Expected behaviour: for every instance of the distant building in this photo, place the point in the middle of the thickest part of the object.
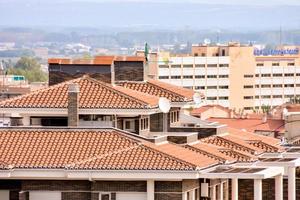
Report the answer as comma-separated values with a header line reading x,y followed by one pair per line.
x,y
13,85
104,68
235,76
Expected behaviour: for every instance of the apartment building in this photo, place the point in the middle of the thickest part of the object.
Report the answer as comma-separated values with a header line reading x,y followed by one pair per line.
x,y
241,77
86,139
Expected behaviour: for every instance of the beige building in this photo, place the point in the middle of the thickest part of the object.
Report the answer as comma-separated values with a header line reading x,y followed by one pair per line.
x,y
234,75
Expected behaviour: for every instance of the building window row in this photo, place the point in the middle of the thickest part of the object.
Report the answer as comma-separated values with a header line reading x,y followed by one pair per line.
x,y
276,85
216,98
191,65
278,75
274,64
192,77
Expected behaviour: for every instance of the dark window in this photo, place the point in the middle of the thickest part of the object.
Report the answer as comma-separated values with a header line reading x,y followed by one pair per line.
x,y
277,96
266,75
277,75
200,65
211,76
223,98
260,64
265,86
223,87
291,64
176,66
212,65
211,87
199,87
187,66
223,76
188,77
163,77
266,96
248,86
163,66
288,85
175,77
223,65
248,76
289,74
211,98
248,97
199,76
277,85
275,64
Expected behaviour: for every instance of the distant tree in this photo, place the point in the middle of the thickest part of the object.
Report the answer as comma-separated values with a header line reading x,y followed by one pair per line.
x,y
266,109
30,68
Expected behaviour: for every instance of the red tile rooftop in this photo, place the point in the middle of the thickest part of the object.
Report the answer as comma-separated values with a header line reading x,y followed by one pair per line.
x,y
252,125
93,94
98,60
160,89
82,149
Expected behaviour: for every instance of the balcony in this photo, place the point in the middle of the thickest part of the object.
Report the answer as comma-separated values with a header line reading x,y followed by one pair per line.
x,y
96,123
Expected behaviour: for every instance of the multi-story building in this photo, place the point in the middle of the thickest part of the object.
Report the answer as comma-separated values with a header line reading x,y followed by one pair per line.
x,y
104,68
234,75
120,142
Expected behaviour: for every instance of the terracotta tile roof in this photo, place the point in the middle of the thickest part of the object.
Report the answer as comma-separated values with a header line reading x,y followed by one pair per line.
x,y
160,89
98,60
94,94
81,149
245,144
196,158
202,109
252,125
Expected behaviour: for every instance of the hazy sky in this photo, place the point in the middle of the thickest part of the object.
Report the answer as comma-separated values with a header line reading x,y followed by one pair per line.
x,y
224,2
159,14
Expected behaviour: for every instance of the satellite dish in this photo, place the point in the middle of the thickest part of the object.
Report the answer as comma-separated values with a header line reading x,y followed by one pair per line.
x,y
197,98
207,41
164,104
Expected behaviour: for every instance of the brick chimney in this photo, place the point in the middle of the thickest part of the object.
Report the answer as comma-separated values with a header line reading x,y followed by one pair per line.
x,y
73,103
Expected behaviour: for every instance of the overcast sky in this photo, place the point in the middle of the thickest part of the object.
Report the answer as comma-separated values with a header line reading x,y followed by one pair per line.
x,y
201,14
226,2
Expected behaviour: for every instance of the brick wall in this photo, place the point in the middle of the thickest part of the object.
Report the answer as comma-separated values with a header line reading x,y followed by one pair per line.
x,y
119,186
168,190
53,185
75,196
73,103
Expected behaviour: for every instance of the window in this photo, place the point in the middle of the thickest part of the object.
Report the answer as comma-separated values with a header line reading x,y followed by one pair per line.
x,y
223,65
176,66
259,64
163,66
297,74
211,76
248,76
223,76
211,98
248,86
211,87
256,86
129,125
277,75
266,75
174,116
202,54
188,87
265,86
256,75
266,96
163,77
275,64
197,194
289,74
54,68
256,97
297,85
223,98
199,76
277,96
288,85
187,66
291,64
248,97
195,54
175,77
104,196
223,87
200,65
212,65
289,96
199,87
144,123
248,108
188,77
277,85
